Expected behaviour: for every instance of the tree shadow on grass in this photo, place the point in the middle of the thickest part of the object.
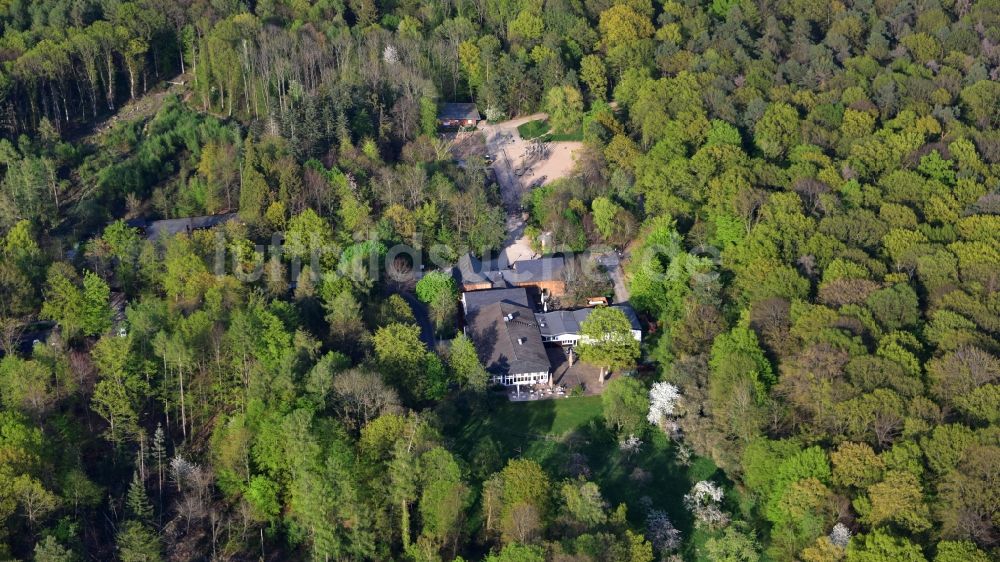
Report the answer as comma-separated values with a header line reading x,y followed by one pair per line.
x,y
591,450
650,479
515,426
652,473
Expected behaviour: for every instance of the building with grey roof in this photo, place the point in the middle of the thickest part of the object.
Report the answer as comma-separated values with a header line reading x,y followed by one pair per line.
x,y
503,328
170,227
540,270
545,274
473,275
563,326
473,300
458,115
510,336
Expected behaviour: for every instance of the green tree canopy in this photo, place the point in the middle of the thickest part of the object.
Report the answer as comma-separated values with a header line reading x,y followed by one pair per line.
x,y
625,403
606,339
436,285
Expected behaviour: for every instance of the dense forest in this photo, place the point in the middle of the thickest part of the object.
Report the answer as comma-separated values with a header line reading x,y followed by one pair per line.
x,y
807,193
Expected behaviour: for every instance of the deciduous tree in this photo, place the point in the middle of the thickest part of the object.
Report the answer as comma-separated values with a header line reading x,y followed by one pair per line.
x,y
606,340
625,405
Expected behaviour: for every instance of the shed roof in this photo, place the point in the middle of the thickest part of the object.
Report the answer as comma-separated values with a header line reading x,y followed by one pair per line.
x,y
547,268
470,271
187,224
475,300
458,111
561,322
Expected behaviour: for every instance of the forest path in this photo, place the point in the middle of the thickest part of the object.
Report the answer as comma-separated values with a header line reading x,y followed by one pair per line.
x,y
422,314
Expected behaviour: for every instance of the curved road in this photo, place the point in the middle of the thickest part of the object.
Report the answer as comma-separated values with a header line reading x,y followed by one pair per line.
x,y
423,317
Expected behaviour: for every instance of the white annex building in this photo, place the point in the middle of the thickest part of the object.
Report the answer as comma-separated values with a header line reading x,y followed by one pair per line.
x,y
563,326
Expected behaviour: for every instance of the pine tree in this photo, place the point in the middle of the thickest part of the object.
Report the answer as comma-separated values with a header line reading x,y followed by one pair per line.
x,y
49,550
159,453
140,456
253,190
137,502
138,543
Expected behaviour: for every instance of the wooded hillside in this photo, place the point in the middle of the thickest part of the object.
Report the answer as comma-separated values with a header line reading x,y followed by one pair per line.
x,y
806,194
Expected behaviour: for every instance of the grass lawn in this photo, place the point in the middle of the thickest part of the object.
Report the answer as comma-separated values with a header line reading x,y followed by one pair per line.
x,y
559,433
540,128
572,412
533,129
514,421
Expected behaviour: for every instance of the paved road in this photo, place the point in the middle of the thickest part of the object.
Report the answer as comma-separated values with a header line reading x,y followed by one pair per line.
x,y
612,263
516,246
621,287
423,317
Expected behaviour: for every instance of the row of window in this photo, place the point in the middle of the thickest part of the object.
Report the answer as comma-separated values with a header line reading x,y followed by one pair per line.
x,y
563,339
522,378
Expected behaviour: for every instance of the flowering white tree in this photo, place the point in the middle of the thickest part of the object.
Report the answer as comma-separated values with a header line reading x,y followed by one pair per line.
x,y
494,113
663,399
703,502
181,470
661,531
840,535
630,446
706,490
389,55
683,454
